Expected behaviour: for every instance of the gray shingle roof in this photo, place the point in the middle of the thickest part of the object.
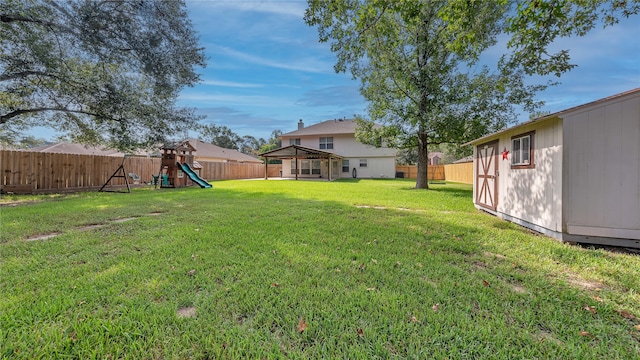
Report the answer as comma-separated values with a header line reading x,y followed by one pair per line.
x,y
329,127
204,150
79,149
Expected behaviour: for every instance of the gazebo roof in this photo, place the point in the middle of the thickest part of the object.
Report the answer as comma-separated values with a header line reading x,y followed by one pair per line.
x,y
300,152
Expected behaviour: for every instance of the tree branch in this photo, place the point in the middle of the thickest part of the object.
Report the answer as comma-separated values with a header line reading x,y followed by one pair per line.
x,y
7,18
7,77
5,118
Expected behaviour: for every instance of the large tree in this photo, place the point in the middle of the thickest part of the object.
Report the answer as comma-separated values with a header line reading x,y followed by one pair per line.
x,y
104,72
423,89
220,136
418,61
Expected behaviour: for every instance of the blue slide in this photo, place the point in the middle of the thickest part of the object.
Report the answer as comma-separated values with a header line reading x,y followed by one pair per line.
x,y
193,176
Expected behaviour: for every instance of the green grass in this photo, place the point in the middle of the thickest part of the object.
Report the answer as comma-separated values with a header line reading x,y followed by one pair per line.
x,y
374,268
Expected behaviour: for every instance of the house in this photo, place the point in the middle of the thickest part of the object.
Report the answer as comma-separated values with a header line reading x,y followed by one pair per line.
x,y
209,152
573,175
435,158
308,151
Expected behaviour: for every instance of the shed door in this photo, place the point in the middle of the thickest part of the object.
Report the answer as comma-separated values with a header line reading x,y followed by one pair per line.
x,y
487,175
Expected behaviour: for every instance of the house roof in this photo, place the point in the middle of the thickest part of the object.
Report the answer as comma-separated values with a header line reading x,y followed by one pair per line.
x,y
554,115
328,127
465,159
203,150
300,152
79,149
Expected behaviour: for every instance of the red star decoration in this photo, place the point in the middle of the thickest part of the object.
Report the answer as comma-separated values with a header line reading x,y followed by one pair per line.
x,y
505,154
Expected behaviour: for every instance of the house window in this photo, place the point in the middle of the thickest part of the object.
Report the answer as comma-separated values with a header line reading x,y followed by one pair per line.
x,y
315,167
345,166
295,141
305,166
293,167
326,143
522,151
363,163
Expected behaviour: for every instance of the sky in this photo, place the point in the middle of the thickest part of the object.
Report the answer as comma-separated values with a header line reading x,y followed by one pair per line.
x,y
266,68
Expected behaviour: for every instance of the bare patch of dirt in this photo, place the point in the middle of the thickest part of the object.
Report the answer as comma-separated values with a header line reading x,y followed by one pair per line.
x,y
43,236
546,336
519,289
18,203
480,265
187,312
497,256
577,281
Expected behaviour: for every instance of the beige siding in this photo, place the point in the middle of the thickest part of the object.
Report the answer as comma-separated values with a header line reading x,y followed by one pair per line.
x,y
602,173
380,161
533,195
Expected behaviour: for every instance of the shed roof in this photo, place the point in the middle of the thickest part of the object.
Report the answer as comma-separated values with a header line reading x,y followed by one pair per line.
x,y
554,115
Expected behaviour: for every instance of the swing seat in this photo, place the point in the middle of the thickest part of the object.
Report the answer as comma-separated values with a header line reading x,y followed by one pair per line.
x,y
165,180
135,178
155,180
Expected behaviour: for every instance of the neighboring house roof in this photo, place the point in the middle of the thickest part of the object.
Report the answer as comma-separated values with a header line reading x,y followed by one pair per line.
x,y
329,127
465,159
554,115
206,150
79,149
431,155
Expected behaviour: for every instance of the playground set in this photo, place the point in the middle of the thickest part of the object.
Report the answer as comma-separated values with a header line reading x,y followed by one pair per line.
x,y
178,160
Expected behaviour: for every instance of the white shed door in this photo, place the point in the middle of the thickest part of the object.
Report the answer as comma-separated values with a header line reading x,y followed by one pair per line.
x,y
486,175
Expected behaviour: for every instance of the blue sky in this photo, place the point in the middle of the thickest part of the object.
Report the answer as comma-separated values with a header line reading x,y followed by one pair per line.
x,y
266,68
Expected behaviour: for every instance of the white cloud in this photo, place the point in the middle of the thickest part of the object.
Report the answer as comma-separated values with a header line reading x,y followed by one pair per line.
x,y
307,64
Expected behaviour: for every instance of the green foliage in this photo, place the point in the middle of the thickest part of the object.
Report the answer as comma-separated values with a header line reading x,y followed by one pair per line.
x,y
24,142
417,64
104,72
220,136
374,268
250,145
273,143
534,25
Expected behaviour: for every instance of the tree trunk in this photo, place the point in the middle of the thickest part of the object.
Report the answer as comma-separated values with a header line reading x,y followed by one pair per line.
x,y
423,161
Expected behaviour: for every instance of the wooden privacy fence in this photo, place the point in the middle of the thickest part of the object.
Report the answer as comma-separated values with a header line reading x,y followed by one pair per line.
x,y
461,172
434,172
228,171
37,172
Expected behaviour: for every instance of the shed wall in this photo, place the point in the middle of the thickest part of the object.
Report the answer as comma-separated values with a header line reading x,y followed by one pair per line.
x,y
534,195
602,171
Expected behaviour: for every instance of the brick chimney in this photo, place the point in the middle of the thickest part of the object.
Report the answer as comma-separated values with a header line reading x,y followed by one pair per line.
x,y
300,125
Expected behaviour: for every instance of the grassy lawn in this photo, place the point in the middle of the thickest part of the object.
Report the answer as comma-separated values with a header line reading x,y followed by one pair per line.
x,y
284,269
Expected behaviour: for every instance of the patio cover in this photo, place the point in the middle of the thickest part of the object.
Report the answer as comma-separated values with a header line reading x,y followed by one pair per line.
x,y
297,152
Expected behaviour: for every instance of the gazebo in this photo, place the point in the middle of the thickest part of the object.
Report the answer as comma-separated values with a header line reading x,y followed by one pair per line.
x,y
297,152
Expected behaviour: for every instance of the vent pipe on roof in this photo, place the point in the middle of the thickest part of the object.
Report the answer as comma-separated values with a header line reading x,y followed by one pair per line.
x,y
300,125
